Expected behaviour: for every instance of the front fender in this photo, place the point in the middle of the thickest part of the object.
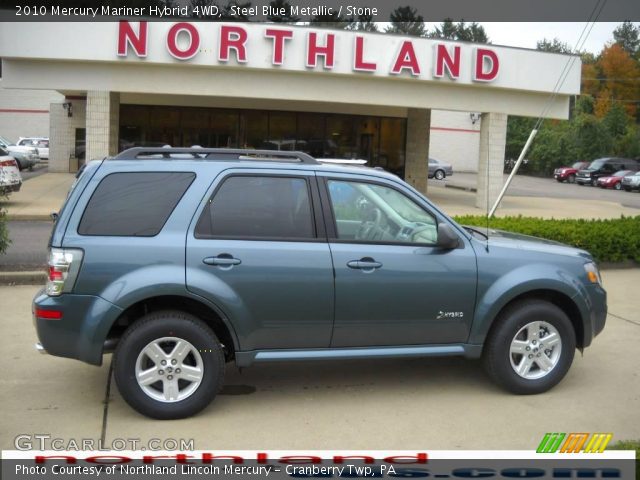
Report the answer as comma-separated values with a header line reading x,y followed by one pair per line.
x,y
503,289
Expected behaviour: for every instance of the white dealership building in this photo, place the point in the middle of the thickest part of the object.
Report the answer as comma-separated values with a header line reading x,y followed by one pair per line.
x,y
394,100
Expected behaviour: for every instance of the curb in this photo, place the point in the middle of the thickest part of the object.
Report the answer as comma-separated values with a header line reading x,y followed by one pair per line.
x,y
461,187
28,218
37,277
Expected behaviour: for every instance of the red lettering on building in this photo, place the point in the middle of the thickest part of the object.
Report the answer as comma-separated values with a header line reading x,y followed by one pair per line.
x,y
326,51
279,37
445,62
406,58
193,43
358,60
233,38
489,57
127,36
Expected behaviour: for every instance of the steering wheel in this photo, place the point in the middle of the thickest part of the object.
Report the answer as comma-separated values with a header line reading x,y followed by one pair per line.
x,y
430,237
369,227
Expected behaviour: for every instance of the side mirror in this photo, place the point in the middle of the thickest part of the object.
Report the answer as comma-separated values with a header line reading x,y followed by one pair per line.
x,y
447,238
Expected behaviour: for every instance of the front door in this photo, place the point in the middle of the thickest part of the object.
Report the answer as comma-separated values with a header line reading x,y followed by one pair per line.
x,y
393,285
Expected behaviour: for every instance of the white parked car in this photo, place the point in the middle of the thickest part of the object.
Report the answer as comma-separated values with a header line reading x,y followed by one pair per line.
x,y
25,155
40,143
10,179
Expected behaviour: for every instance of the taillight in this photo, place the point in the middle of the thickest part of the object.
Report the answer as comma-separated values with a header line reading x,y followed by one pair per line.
x,y
63,266
8,163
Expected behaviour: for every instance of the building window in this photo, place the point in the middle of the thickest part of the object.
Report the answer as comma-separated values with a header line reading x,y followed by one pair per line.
x,y
379,140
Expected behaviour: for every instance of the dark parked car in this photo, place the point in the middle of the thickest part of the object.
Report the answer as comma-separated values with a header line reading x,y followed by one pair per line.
x,y
604,167
438,169
568,174
183,264
615,180
631,182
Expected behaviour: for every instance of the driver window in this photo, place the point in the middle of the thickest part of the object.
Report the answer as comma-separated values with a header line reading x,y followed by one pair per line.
x,y
367,212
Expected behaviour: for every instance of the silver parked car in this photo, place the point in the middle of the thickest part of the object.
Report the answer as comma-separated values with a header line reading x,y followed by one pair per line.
x,y
26,156
439,169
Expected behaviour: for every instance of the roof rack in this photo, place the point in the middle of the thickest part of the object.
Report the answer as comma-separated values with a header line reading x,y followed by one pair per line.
x,y
214,153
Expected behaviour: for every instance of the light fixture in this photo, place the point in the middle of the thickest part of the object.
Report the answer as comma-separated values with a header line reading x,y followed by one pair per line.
x,y
69,108
474,117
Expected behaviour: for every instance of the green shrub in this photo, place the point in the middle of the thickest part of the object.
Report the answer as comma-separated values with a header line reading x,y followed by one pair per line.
x,y
4,233
615,240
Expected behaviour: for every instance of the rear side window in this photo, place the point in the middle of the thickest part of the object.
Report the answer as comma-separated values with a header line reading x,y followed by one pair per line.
x,y
256,207
133,204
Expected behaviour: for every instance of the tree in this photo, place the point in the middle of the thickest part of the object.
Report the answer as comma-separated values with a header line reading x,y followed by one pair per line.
x,y
473,32
554,46
627,36
518,131
287,17
584,104
616,120
621,74
447,30
364,24
405,20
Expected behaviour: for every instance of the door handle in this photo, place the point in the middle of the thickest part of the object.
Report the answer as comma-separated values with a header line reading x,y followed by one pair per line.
x,y
222,260
364,264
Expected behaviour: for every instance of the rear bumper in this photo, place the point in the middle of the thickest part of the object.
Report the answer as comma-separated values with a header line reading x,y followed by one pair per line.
x,y
15,187
81,332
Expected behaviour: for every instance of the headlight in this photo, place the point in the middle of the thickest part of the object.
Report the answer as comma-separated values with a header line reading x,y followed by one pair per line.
x,y
593,274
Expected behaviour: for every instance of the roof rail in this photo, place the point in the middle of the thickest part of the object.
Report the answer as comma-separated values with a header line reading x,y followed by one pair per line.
x,y
215,153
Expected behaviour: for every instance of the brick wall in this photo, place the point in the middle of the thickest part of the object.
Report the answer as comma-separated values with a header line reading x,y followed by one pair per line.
x,y
417,150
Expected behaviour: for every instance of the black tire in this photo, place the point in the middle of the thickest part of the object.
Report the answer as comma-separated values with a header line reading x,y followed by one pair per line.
x,y
618,186
580,184
439,175
20,167
594,182
157,325
496,353
572,178
626,189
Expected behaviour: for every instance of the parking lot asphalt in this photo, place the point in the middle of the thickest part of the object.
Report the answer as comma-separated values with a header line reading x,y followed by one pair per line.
x,y
529,186
386,404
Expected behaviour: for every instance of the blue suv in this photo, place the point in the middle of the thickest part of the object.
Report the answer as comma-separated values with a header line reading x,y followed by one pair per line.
x,y
180,260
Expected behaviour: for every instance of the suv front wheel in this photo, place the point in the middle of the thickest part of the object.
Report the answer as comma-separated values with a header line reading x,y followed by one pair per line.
x,y
530,348
169,365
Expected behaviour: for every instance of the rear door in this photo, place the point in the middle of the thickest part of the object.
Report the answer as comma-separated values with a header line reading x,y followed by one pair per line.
x,y
257,248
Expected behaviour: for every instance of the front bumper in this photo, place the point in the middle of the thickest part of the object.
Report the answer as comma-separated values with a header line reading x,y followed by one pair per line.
x,y
584,180
81,332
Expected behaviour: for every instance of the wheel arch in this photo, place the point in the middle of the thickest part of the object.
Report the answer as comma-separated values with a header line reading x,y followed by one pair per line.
x,y
555,297
212,316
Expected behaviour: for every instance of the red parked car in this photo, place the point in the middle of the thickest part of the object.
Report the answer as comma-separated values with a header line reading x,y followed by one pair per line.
x,y
568,174
615,180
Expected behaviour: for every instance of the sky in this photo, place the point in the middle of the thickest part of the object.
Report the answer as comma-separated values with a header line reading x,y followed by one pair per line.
x,y
526,34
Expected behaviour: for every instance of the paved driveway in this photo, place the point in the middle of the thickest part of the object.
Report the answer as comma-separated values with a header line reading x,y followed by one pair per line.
x,y
527,186
392,404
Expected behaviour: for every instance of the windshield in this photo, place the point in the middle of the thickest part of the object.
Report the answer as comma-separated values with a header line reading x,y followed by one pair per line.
x,y
596,164
577,165
621,173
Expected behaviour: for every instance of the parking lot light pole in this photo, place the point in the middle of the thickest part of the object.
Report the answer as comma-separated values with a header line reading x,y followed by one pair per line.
x,y
513,172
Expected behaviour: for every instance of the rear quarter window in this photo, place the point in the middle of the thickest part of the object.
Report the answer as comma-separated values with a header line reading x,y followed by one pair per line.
x,y
134,204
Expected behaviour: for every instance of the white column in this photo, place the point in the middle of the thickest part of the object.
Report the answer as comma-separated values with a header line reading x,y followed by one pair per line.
x,y
103,109
493,139
417,148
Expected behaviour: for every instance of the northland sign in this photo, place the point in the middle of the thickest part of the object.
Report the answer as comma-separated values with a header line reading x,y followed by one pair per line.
x,y
321,50
276,65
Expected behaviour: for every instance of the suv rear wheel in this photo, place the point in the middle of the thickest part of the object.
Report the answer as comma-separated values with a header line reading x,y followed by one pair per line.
x,y
530,348
169,365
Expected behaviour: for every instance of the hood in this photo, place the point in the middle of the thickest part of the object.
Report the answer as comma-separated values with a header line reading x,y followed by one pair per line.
x,y
526,242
